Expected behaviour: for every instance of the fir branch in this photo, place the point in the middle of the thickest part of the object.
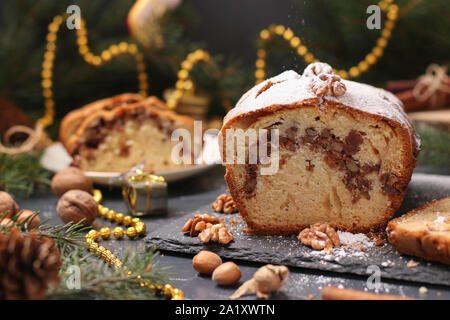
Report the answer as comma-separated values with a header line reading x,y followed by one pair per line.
x,y
67,237
99,281
22,175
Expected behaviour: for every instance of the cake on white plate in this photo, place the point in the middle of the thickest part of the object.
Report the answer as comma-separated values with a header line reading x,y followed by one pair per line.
x,y
119,138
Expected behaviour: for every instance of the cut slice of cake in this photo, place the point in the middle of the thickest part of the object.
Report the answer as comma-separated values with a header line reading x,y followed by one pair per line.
x,y
118,139
423,232
73,119
346,152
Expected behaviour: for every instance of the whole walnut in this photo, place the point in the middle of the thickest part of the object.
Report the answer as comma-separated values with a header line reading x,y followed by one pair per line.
x,y
69,179
76,205
8,207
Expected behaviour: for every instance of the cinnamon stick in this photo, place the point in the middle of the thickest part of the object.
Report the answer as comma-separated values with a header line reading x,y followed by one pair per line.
x,y
335,293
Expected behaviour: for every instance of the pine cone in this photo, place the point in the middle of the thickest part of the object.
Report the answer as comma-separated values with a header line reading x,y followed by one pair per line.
x,y
28,264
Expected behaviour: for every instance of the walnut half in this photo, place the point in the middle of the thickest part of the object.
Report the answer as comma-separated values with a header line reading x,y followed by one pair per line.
x,y
224,203
208,228
320,236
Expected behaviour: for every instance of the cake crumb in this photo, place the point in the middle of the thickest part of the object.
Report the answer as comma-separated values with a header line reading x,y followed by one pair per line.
x,y
311,296
423,290
412,264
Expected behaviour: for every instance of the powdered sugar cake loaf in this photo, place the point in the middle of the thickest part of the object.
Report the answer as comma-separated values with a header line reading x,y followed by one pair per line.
x,y
116,140
346,154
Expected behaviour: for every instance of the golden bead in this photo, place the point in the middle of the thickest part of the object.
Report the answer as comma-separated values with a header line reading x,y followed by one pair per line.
x,y
97,194
264,34
302,50
118,232
51,37
93,247
51,46
132,48
386,33
177,297
93,234
179,84
260,63
131,233
134,221
123,47
106,55
295,42
354,72
152,287
118,264
188,85
111,215
260,74
187,65
183,74
114,50
46,83
288,34
105,233
309,57
261,53
100,251
377,51
119,218
363,66
177,94
177,291
88,240
279,30
370,58
167,290
382,42
103,212
158,286
140,228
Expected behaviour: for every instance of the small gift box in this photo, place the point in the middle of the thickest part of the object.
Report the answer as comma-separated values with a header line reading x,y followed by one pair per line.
x,y
145,194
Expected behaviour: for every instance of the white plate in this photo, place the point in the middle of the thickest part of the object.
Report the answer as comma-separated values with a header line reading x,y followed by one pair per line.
x,y
56,158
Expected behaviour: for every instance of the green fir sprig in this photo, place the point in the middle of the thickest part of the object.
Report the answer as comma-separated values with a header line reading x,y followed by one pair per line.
x,y
22,175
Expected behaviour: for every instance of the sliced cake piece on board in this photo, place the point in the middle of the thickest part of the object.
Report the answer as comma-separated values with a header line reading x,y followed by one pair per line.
x,y
346,154
423,232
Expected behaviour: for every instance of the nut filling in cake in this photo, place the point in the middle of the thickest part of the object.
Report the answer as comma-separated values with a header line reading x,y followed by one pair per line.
x,y
346,154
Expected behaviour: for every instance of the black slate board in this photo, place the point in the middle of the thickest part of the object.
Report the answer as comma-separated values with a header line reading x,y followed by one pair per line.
x,y
288,250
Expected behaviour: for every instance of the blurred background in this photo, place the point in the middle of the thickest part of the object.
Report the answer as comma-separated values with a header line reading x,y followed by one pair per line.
x,y
166,31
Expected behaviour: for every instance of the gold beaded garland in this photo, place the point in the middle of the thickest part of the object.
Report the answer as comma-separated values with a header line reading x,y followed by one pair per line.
x,y
295,43
138,228
84,50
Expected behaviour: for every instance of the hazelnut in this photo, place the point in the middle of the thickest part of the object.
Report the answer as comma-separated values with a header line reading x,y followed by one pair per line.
x,y
206,262
226,274
29,218
69,179
8,207
76,205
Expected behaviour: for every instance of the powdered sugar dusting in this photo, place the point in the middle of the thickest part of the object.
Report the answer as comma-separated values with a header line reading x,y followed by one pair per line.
x,y
292,88
353,238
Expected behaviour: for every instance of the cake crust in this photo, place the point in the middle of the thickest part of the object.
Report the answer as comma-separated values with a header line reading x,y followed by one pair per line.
x,y
290,92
